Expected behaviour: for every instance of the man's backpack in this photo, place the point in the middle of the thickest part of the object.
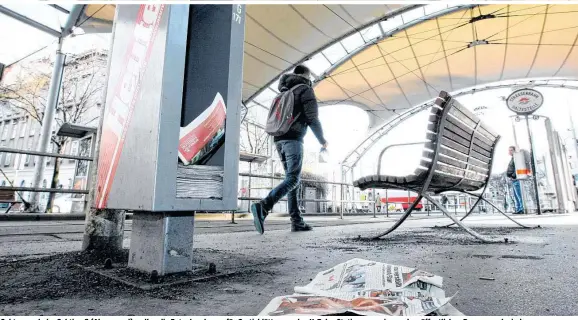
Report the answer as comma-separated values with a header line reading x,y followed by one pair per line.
x,y
280,117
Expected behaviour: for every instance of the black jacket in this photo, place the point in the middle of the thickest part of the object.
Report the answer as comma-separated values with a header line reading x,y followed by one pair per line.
x,y
511,172
306,105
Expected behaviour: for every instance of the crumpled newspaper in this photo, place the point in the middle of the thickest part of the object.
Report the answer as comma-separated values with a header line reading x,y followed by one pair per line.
x,y
369,288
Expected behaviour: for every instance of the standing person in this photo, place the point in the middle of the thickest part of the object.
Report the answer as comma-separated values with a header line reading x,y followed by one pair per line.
x,y
516,186
288,131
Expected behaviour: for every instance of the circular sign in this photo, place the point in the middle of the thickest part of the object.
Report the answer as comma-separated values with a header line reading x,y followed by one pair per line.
x,y
525,101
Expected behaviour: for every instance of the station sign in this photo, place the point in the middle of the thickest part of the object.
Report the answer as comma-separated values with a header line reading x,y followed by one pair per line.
x,y
525,101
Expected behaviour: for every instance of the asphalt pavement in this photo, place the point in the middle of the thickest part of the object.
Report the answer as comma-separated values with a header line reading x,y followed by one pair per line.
x,y
533,274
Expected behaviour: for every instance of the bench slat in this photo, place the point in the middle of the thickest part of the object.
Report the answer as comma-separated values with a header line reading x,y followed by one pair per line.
x,y
468,118
456,163
465,143
480,157
468,130
454,137
448,181
478,142
452,153
471,175
457,130
454,145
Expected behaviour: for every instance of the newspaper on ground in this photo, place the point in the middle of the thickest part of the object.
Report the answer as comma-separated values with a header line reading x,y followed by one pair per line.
x,y
367,288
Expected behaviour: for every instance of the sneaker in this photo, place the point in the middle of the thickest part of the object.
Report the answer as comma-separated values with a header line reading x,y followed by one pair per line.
x,y
301,227
258,217
519,212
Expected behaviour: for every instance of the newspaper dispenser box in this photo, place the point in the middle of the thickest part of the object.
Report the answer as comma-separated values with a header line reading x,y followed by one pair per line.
x,y
174,90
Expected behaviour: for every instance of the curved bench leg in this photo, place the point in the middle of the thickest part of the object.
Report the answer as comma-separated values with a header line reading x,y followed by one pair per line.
x,y
458,222
505,215
467,214
402,219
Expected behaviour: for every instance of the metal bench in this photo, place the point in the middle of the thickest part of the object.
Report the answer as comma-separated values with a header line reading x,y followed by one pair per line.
x,y
457,156
7,196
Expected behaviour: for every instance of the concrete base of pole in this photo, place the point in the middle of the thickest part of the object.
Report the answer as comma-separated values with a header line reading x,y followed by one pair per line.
x,y
161,242
104,232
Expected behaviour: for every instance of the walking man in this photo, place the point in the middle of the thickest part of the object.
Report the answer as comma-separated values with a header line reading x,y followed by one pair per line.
x,y
292,112
516,186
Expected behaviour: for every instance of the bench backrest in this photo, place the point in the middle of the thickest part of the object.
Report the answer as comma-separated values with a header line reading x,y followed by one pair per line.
x,y
460,149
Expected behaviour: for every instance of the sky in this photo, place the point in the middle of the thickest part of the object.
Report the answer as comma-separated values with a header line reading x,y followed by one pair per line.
x,y
22,40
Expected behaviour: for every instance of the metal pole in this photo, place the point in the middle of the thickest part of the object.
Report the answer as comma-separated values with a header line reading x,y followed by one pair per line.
x,y
344,192
514,132
374,202
408,201
386,204
553,144
574,138
533,162
47,120
249,187
566,172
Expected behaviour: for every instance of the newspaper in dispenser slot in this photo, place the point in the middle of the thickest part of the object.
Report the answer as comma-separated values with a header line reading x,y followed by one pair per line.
x,y
522,164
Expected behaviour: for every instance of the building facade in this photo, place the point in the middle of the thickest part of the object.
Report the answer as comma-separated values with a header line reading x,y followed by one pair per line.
x,y
80,102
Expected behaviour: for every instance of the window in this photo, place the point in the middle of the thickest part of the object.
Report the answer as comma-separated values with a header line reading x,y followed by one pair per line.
x,y
3,183
74,150
23,127
14,129
29,148
33,128
69,183
7,159
5,130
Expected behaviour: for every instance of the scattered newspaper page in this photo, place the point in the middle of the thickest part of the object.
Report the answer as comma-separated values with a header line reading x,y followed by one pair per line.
x,y
367,288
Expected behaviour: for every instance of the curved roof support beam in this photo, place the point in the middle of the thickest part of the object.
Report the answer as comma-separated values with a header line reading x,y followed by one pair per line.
x,y
391,33
336,40
357,153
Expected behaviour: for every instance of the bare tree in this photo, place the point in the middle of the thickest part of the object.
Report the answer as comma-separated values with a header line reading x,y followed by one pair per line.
x,y
81,90
254,139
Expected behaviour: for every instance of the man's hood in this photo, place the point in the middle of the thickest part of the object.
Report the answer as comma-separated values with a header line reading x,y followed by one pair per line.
x,y
290,80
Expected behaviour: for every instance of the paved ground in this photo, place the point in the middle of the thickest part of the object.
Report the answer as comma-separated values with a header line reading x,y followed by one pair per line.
x,y
534,274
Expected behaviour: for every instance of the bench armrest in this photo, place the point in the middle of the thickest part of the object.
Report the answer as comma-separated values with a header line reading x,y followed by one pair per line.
x,y
391,146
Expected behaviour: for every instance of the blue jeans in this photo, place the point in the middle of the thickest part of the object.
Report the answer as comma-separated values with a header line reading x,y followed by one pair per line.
x,y
291,154
517,195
